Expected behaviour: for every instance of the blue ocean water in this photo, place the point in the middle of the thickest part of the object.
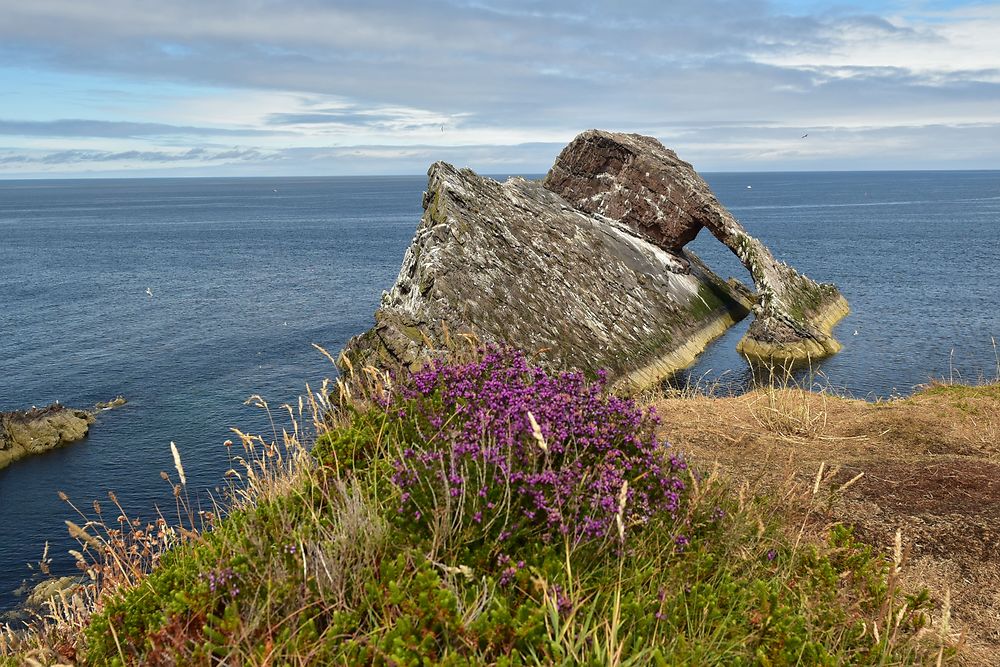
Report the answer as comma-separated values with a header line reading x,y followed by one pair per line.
x,y
246,273
915,254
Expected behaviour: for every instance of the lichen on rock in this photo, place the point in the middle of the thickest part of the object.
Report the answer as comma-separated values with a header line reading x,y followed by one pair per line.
x,y
640,183
515,263
589,269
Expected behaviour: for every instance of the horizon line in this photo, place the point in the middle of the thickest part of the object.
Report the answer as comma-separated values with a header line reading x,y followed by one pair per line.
x,y
6,179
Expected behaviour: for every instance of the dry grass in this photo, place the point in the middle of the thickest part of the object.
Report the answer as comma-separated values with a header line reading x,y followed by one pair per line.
x,y
776,438
929,467
117,552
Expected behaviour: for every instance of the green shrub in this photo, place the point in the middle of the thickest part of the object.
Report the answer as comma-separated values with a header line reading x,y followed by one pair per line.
x,y
336,568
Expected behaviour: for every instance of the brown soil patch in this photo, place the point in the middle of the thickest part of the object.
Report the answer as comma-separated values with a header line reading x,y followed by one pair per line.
x,y
966,487
931,467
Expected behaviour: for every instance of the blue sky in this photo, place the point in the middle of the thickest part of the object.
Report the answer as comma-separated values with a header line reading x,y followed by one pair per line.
x,y
315,87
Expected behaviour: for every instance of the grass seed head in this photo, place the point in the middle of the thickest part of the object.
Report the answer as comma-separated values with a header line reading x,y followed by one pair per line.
x,y
536,432
177,463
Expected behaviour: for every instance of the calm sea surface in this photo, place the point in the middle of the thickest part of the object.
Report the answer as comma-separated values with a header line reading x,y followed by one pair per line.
x,y
246,273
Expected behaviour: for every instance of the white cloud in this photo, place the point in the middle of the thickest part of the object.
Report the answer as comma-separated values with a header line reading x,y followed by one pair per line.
x,y
312,76
962,41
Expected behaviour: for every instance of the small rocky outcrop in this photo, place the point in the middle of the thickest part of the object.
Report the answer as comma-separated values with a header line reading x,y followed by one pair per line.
x,y
36,594
115,402
515,263
637,182
52,587
34,431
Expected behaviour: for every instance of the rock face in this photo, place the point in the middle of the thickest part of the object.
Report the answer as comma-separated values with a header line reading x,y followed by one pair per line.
x,y
39,430
514,262
589,269
638,182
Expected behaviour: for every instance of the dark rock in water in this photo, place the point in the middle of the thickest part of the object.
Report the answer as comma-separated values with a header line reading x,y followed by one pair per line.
x,y
52,587
515,263
638,182
115,402
38,430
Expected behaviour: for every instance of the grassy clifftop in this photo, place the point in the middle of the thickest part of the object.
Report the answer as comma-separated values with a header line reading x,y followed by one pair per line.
x,y
486,512
929,467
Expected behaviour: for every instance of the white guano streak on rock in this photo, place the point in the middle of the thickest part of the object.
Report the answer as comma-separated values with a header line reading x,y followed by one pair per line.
x,y
670,263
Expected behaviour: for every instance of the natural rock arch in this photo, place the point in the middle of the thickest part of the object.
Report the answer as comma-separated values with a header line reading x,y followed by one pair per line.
x,y
636,181
588,270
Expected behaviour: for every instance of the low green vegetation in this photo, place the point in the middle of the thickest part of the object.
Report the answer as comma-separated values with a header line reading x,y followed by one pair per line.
x,y
963,391
484,512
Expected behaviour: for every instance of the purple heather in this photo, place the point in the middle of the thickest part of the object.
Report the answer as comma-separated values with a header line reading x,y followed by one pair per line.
x,y
471,449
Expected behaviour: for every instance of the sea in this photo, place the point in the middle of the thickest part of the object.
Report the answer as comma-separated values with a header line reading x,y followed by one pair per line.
x,y
189,296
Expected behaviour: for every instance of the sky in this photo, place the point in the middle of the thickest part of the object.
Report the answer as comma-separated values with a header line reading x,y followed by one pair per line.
x,y
317,87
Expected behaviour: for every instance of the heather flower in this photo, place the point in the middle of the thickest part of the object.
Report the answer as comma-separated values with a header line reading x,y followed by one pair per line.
x,y
508,570
563,604
222,581
498,448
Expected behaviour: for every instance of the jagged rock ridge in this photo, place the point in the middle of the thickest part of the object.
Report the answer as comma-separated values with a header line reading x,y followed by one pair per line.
x,y
638,182
513,262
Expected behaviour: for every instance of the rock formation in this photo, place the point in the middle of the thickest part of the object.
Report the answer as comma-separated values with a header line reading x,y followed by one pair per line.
x,y
37,592
38,430
589,269
638,182
115,402
514,263
49,588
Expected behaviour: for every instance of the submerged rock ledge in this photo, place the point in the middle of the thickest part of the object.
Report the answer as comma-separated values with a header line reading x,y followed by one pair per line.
x,y
588,269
